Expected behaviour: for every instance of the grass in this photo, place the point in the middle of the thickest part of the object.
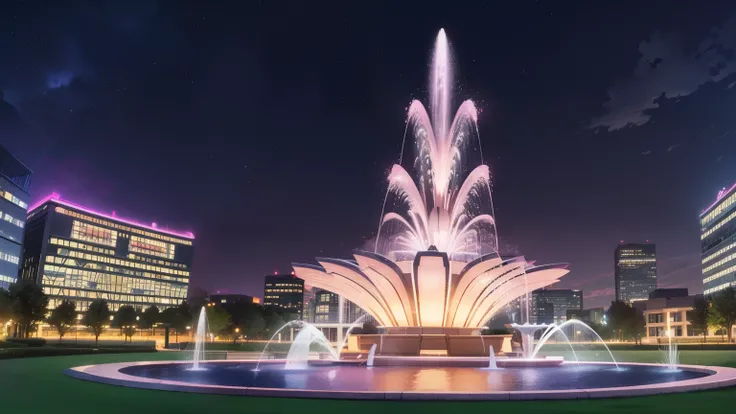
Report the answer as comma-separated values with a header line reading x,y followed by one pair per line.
x,y
38,385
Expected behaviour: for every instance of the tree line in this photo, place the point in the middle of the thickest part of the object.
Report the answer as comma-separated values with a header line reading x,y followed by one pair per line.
x,y
26,305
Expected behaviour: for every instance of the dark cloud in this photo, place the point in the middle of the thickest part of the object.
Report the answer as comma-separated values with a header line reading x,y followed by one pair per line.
x,y
667,69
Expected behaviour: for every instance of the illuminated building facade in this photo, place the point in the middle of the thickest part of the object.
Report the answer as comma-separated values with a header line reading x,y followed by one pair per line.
x,y
231,299
635,271
15,179
285,292
552,305
80,254
718,242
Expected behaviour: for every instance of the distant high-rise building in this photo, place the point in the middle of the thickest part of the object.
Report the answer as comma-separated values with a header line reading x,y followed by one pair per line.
x,y
552,305
635,271
718,242
227,300
80,254
285,292
15,179
326,307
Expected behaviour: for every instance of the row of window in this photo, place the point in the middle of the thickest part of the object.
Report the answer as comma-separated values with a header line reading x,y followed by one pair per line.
x,y
660,318
283,290
9,257
156,261
151,247
718,210
13,199
114,225
7,279
61,276
78,263
94,234
78,245
718,226
722,273
115,300
719,287
719,252
630,262
122,262
322,309
7,217
279,284
720,262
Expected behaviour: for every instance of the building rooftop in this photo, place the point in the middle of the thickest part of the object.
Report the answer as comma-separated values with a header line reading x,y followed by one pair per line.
x,y
56,198
721,195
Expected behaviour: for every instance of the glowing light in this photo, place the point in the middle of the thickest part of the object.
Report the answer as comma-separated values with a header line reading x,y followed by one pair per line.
x,y
56,198
721,193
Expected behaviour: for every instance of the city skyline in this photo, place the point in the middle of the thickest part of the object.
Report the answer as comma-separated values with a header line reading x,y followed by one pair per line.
x,y
179,125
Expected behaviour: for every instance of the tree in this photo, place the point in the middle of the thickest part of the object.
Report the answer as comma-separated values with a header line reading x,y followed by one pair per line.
x,y
724,308
150,317
62,317
273,321
218,319
6,307
369,329
700,315
177,318
625,321
97,317
125,319
29,305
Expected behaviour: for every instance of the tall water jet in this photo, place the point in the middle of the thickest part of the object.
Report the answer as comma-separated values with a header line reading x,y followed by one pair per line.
x,y
200,337
298,356
491,358
371,355
672,355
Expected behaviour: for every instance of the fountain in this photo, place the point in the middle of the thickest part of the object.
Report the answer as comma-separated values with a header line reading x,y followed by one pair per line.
x,y
298,357
672,355
492,358
347,334
432,280
298,353
200,337
371,355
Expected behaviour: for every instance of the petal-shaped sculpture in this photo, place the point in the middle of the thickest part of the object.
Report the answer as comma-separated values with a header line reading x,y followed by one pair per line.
x,y
430,292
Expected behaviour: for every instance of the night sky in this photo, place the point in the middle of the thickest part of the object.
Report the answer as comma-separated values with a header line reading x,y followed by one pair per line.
x,y
268,128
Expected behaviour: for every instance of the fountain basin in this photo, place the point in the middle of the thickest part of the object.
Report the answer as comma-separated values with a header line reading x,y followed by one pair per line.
x,y
566,381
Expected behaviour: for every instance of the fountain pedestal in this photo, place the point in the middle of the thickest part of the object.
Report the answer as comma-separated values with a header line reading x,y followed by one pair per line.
x,y
527,332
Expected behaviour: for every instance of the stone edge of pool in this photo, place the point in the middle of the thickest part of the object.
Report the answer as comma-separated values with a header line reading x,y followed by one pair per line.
x,y
719,377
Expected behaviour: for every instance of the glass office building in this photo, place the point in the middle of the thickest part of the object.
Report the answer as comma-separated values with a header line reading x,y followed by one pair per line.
x,y
552,305
284,292
635,271
80,254
15,179
718,242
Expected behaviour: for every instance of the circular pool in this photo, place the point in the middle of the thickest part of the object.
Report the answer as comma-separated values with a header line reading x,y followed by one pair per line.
x,y
569,380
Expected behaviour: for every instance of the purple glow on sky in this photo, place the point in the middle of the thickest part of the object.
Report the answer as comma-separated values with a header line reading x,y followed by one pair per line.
x,y
57,199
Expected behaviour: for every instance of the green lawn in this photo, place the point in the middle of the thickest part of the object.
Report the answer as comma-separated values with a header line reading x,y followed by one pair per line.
x,y
37,385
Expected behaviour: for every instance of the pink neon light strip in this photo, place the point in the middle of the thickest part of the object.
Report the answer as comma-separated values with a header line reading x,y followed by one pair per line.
x,y
718,199
56,198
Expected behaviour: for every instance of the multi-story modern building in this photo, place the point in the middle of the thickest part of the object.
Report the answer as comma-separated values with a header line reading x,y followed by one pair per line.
x,y
80,254
231,299
285,292
718,242
15,179
667,311
551,305
635,271
326,307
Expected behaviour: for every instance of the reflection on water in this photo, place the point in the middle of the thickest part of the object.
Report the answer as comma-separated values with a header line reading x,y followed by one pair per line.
x,y
357,378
